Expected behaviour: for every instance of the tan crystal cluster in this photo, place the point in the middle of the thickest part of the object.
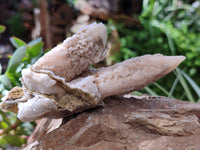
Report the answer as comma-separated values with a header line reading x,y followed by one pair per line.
x,y
60,83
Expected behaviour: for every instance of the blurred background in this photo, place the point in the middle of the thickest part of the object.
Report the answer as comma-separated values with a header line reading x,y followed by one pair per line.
x,y
29,28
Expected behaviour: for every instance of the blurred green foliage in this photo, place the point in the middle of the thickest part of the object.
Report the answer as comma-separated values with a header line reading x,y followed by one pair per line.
x,y
170,28
2,29
24,55
13,132
15,25
71,2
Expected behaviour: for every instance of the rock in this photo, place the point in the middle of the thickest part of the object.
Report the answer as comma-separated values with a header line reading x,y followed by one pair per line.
x,y
134,123
45,126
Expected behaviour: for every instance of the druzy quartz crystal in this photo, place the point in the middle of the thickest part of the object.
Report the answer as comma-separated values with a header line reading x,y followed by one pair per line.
x,y
60,83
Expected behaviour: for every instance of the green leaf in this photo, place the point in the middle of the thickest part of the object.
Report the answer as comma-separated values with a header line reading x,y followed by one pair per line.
x,y
3,142
34,42
137,93
6,81
5,117
170,42
2,29
3,125
17,42
185,86
192,83
150,91
25,129
14,80
163,90
13,140
35,49
16,59
0,68
174,86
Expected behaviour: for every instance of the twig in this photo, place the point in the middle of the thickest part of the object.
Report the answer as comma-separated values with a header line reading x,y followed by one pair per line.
x,y
12,127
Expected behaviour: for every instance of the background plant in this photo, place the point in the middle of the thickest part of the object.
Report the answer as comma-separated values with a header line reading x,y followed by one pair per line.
x,y
170,28
12,131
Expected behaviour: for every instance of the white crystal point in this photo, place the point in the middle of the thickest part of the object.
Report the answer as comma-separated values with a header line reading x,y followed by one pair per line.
x,y
76,53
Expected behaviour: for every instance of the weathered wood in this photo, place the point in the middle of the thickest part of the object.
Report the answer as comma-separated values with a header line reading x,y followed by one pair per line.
x,y
45,24
119,10
133,123
55,20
